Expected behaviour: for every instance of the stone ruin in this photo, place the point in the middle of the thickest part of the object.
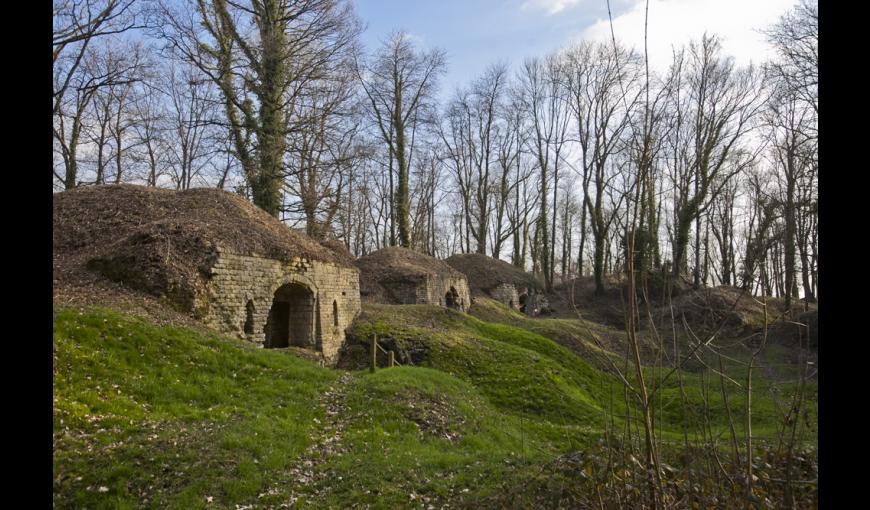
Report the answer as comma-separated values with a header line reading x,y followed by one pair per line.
x,y
397,275
214,255
533,303
235,268
504,282
302,302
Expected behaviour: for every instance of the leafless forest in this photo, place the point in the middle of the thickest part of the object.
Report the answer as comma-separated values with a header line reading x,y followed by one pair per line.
x,y
582,165
552,163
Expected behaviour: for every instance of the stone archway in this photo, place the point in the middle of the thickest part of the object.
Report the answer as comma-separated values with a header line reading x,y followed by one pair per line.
x,y
291,319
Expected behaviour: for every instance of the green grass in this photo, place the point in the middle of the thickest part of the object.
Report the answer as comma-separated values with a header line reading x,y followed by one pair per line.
x,y
170,416
420,432
518,371
159,417
582,336
524,373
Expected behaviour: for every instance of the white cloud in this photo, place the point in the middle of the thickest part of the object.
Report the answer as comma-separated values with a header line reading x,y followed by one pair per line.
x,y
673,23
419,39
551,6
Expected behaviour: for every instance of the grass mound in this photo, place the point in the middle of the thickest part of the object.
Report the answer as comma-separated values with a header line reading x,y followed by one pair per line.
x,y
517,370
519,366
587,339
163,417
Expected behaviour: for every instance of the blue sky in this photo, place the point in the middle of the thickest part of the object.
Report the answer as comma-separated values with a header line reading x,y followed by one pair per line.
x,y
477,33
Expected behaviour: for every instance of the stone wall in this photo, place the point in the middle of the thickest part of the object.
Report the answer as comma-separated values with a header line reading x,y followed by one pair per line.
x,y
431,291
507,294
534,302
436,288
237,280
404,293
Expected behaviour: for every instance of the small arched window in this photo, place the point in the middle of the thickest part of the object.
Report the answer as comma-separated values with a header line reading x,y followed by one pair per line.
x,y
249,318
335,313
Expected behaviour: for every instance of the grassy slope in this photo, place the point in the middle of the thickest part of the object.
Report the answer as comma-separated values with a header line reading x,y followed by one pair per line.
x,y
587,338
169,417
165,417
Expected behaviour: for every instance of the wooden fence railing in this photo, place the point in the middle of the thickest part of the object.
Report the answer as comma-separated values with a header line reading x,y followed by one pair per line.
x,y
390,355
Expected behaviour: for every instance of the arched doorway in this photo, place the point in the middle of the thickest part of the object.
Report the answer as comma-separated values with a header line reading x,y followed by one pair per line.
x,y
248,327
451,299
291,318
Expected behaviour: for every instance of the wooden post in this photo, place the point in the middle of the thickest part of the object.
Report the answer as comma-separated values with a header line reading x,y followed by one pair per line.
x,y
392,359
523,438
374,353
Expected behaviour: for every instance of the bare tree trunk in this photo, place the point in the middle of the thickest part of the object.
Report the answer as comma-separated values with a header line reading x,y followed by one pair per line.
x,y
555,214
706,251
582,238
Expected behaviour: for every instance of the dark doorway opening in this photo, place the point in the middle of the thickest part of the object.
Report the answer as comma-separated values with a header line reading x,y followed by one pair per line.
x,y
451,299
291,318
249,318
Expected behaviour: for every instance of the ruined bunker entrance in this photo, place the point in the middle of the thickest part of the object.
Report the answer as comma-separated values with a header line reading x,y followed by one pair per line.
x,y
291,318
451,299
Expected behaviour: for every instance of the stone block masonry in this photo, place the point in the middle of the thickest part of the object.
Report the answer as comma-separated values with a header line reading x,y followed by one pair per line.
x,y
507,294
435,290
432,290
242,289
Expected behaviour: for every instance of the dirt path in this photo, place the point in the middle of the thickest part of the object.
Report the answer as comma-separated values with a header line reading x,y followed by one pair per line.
x,y
327,443
305,478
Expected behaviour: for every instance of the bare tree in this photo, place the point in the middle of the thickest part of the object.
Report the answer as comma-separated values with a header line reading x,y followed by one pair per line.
x,y
542,101
712,119
121,96
149,130
796,39
455,131
322,156
400,82
429,181
509,156
792,151
99,68
479,133
791,119
262,56
192,115
602,92
75,24
102,105
722,224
